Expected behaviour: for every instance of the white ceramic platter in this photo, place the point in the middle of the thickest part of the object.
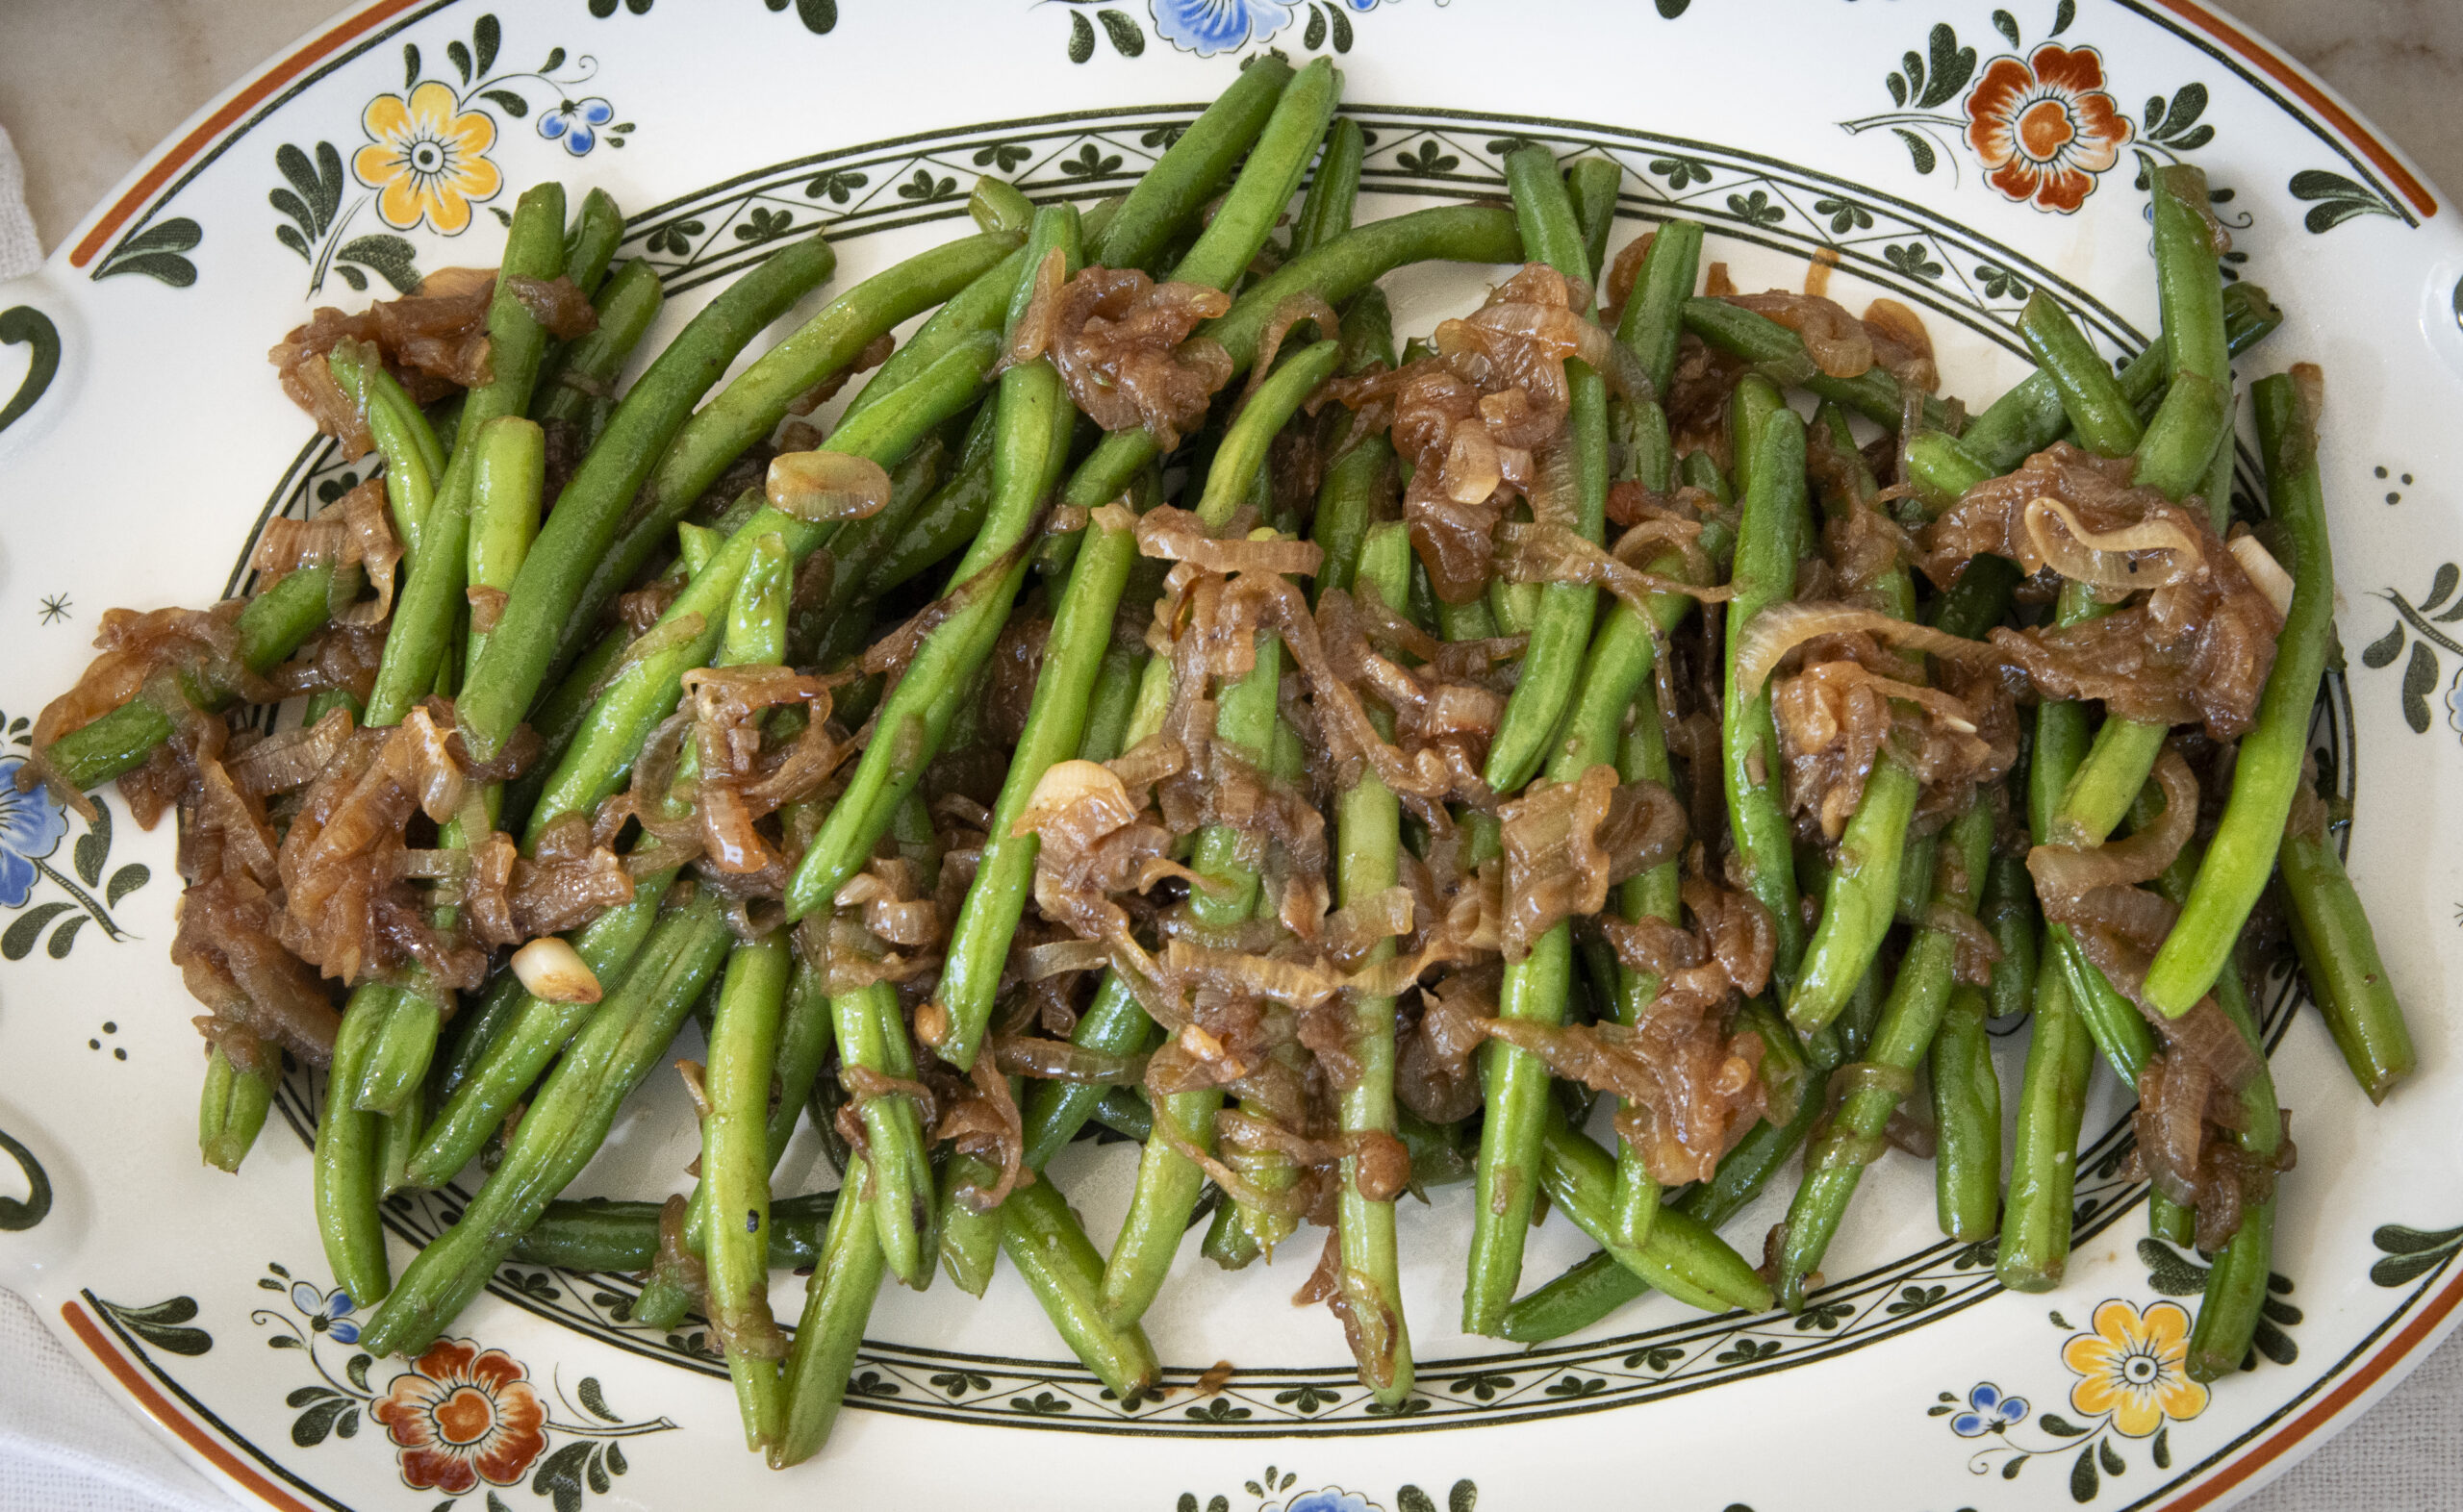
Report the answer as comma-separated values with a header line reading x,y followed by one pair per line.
x,y
146,440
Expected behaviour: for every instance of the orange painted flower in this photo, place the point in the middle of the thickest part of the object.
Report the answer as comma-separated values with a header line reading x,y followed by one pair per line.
x,y
427,158
2045,128
2135,1367
461,1415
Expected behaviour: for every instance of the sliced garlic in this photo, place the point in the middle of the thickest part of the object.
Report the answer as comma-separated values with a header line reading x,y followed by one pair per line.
x,y
2264,570
555,971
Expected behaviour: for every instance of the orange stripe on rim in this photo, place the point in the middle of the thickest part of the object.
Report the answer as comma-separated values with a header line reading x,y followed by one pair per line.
x,y
2276,1445
150,1397
221,120
2309,94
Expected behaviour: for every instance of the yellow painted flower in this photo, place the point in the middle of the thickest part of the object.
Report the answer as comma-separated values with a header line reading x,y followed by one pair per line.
x,y
2135,1367
427,158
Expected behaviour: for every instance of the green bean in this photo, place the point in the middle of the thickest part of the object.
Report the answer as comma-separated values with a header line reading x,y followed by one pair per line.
x,y
431,602
804,1038
1883,1078
871,1035
413,461
1552,662
568,1119
504,506
1082,631
2339,957
2100,411
1652,321
558,718
838,1299
981,309
645,689
1334,189
735,1172
346,1178
2188,282
2043,1170
1861,898
1032,445
592,239
1368,836
969,1240
861,545
1683,1256
2267,771
1239,462
1967,1120
2029,416
1516,1085
998,205
1263,193
2009,910
578,547
1591,184
603,1235
1171,193
1778,354
945,521
578,387
396,1137
398,1059
1764,574
232,1112
1051,1251
1358,482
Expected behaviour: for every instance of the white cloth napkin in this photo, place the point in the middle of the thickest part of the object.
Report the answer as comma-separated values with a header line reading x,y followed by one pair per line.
x,y
20,253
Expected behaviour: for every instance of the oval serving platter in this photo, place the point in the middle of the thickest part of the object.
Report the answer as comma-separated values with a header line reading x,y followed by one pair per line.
x,y
144,443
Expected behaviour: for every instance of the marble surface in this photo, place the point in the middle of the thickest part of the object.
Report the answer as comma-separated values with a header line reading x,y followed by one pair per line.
x,y
88,86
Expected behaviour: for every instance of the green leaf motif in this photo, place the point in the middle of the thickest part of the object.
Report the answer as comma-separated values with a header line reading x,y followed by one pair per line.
x,y
1745,1351
1920,152
2007,25
389,257
1671,9
2062,15
159,1325
411,60
65,936
593,1401
559,1479
1483,1384
1658,1357
841,184
1950,65
487,35
1043,1404
459,56
2110,1457
1004,156
820,17
766,225
2335,199
1756,209
19,1214
1846,214
1411,1499
1307,1399
2168,1273
2083,1478
505,100
94,847
126,880
872,1383
924,187
18,943
1914,1300
1315,36
1082,38
1342,29
1911,260
1089,164
338,1415
2420,680
1680,172
1464,1498
1429,162
2163,1450
1219,1409
2175,124
155,252
2055,1423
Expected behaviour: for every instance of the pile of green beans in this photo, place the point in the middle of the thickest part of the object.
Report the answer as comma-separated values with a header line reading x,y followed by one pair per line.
x,y
1900,947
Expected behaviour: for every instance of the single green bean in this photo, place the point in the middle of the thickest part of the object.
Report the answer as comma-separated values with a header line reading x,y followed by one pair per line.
x,y
1053,1255
1779,354
592,239
431,604
969,1240
1334,189
599,1234
1768,534
998,205
1967,1120
735,1169
1861,898
2009,910
837,1301
1552,662
806,1034
1170,194
578,388
950,516
2339,958
2267,772
413,461
1591,184
346,1178
871,1035
232,1112
398,1059
1683,1256
2043,1170
2100,411
504,507
1359,484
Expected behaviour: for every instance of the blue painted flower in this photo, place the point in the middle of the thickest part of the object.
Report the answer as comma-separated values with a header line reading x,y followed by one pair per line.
x,y
328,1312
30,825
1207,27
576,124
1333,1499
1992,1412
